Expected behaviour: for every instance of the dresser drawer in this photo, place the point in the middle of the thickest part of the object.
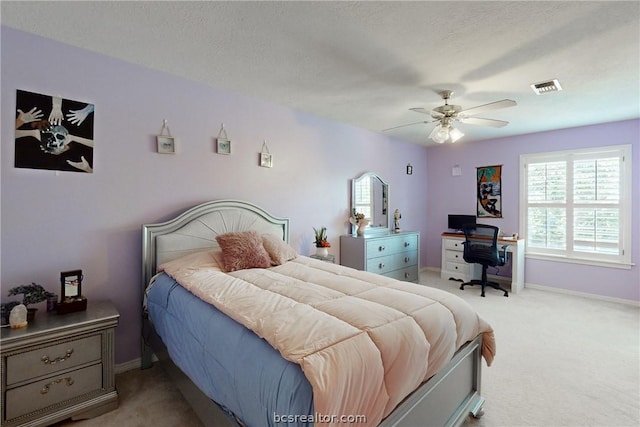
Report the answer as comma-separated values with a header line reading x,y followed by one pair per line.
x,y
456,245
41,394
408,274
392,245
54,358
383,264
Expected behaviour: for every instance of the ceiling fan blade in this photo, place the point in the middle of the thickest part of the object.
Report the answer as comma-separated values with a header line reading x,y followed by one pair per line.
x,y
505,103
483,122
421,110
410,124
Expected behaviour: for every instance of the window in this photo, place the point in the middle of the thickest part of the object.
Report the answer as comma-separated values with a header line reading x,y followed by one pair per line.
x,y
363,202
576,205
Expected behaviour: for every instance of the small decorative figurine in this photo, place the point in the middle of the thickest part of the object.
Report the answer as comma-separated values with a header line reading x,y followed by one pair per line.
x,y
396,220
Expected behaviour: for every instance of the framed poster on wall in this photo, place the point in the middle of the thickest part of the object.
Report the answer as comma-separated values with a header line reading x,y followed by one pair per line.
x,y
489,191
53,133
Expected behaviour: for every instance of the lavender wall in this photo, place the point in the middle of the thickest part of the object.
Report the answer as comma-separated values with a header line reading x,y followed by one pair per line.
x,y
53,222
456,194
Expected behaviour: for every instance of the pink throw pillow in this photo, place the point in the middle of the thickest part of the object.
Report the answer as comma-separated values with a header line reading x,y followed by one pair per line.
x,y
279,251
241,250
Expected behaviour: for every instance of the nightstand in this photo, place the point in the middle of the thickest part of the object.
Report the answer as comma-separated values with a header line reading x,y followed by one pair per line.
x,y
59,366
328,258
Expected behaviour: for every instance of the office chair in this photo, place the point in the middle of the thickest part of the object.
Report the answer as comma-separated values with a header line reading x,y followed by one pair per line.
x,y
481,247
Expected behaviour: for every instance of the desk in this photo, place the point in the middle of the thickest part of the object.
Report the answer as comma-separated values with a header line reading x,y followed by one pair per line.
x,y
453,265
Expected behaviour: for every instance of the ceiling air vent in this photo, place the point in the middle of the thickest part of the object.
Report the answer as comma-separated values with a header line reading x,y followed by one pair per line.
x,y
546,87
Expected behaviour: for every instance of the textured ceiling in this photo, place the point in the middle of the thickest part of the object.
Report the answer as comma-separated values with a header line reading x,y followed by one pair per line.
x,y
367,63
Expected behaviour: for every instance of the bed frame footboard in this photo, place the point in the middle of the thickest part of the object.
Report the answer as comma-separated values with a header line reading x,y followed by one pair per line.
x,y
448,397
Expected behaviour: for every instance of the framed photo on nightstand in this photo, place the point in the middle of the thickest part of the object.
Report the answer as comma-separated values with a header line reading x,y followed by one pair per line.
x,y
70,284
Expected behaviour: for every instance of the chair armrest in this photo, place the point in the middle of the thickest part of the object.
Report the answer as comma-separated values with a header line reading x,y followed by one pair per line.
x,y
503,253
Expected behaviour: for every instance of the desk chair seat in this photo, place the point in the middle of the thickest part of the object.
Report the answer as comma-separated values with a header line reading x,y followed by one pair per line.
x,y
481,247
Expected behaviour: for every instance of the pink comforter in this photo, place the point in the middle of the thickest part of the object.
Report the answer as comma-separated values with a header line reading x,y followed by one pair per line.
x,y
364,341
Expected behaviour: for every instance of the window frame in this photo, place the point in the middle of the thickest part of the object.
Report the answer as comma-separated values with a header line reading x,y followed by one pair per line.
x,y
363,186
622,260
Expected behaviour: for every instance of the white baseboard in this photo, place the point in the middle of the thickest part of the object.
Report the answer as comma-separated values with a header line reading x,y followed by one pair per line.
x,y
127,366
131,365
556,290
582,294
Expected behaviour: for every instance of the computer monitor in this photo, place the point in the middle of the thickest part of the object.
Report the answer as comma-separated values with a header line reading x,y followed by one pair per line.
x,y
456,221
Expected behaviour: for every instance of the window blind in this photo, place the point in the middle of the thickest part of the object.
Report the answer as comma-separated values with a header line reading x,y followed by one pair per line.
x,y
576,205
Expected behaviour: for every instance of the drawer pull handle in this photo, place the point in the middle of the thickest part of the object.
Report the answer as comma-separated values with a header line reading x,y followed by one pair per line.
x,y
47,361
407,244
381,265
46,387
406,259
381,248
407,275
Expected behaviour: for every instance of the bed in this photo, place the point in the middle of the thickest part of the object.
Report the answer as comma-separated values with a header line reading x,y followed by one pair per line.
x,y
227,366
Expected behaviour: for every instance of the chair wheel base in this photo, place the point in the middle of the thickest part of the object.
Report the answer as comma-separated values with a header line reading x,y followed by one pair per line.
x,y
493,285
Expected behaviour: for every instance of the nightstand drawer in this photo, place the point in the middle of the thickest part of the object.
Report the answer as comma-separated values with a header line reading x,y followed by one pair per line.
x,y
32,397
51,359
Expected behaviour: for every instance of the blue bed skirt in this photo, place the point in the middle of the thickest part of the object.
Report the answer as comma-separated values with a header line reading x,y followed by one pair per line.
x,y
226,361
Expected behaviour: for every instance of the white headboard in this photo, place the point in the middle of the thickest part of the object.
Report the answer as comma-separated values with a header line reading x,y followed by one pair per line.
x,y
196,229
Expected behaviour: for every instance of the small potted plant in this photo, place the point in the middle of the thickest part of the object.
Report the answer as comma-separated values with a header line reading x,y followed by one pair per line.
x,y
31,294
322,244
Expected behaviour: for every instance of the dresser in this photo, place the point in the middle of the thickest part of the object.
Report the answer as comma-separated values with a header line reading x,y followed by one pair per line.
x,y
59,366
395,255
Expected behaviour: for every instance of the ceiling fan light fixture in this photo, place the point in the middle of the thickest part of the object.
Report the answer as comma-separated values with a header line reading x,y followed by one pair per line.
x,y
439,134
455,134
546,87
434,132
445,132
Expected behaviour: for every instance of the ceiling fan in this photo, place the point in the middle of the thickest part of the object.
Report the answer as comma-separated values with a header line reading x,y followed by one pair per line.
x,y
446,114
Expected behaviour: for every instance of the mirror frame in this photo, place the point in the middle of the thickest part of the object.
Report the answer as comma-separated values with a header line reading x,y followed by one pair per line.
x,y
369,229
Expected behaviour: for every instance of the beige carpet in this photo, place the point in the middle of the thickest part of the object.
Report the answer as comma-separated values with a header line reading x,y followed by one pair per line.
x,y
562,361
147,398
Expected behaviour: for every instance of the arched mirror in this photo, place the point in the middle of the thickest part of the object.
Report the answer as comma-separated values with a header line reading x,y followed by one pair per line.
x,y
370,196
